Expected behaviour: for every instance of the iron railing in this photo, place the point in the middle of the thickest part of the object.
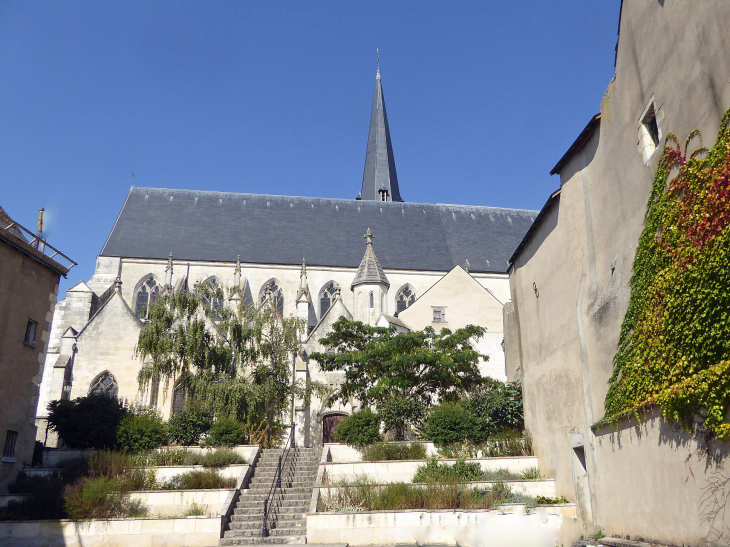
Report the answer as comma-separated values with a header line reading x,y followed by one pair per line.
x,y
40,244
271,501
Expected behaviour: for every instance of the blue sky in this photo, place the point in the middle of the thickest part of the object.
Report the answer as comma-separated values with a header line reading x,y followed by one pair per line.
x,y
483,98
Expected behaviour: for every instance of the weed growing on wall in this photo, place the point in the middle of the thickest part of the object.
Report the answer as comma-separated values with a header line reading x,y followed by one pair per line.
x,y
674,346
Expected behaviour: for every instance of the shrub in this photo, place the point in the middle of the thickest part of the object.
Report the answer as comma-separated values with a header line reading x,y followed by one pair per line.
x,y
99,498
501,474
200,480
226,432
398,415
459,471
532,474
44,501
544,500
496,406
109,464
508,442
186,427
219,458
448,423
359,429
364,494
141,432
393,451
194,510
87,422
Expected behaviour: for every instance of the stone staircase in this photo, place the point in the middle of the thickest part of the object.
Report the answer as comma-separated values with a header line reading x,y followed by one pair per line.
x,y
286,509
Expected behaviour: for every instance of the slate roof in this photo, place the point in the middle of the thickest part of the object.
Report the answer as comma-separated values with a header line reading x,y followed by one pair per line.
x,y
370,270
265,229
379,160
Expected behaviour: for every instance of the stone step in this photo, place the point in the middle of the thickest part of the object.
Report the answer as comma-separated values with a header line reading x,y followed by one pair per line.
x,y
286,496
273,532
285,485
258,505
286,489
271,540
274,466
259,522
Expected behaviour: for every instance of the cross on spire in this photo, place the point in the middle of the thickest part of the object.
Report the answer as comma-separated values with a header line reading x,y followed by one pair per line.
x,y
369,237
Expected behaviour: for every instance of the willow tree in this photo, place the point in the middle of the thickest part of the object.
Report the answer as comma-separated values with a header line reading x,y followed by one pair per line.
x,y
233,360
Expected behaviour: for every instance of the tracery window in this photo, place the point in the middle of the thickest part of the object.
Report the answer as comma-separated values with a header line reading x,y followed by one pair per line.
x,y
405,297
104,384
276,294
145,297
327,297
212,296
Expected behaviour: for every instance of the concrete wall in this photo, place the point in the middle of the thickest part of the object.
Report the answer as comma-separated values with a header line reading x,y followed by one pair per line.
x,y
28,290
510,526
569,284
172,532
404,470
174,503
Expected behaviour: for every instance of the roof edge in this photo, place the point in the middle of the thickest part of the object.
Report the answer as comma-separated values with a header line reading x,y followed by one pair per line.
x,y
535,225
579,143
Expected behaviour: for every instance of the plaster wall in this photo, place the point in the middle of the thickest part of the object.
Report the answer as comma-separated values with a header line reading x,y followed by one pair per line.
x,y
569,284
511,526
28,290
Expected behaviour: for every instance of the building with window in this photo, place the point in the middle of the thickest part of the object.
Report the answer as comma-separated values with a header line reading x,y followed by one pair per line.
x,y
29,273
257,244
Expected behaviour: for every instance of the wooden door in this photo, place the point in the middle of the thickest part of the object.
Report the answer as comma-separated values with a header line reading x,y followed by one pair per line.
x,y
329,423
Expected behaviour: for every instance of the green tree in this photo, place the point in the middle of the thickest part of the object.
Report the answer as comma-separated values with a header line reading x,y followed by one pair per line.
x,y
408,370
234,361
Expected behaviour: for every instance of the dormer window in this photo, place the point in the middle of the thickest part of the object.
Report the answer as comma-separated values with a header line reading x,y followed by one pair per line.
x,y
383,194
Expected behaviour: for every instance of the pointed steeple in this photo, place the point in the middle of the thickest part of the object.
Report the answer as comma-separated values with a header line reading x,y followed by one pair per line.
x,y
379,181
370,270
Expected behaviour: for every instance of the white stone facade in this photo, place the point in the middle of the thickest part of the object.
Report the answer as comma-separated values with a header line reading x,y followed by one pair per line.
x,y
95,328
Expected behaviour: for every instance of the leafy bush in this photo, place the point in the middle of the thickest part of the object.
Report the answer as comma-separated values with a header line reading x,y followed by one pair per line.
x,y
87,422
359,429
226,432
44,499
496,406
186,427
220,457
363,494
459,471
544,500
532,474
99,498
200,480
398,414
105,463
393,451
141,432
508,442
448,423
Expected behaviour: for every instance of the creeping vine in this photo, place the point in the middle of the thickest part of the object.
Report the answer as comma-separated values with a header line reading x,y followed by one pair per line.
x,y
674,345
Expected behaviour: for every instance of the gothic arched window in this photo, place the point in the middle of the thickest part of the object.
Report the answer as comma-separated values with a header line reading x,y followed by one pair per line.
x,y
104,384
179,394
372,301
146,294
327,297
212,296
405,297
276,294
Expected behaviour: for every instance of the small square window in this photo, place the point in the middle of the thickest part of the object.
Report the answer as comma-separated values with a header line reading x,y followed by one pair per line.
x,y
11,439
30,333
439,314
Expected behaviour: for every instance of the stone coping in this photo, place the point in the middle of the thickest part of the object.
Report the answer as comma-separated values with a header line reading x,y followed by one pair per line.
x,y
447,511
440,460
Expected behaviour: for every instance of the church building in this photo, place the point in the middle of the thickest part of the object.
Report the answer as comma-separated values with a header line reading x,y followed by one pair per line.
x,y
418,265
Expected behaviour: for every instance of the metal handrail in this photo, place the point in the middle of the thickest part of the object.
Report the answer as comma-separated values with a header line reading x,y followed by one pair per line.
x,y
276,483
41,245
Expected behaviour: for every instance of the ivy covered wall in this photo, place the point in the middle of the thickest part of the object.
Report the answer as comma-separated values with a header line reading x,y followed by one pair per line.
x,y
674,346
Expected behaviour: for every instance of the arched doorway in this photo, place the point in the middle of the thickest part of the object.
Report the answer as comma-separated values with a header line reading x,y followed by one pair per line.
x,y
329,423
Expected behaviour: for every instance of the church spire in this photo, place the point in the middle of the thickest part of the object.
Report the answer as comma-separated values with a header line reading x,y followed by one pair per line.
x,y
379,181
370,270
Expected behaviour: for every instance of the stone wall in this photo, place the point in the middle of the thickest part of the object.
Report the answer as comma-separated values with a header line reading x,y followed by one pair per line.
x,y
28,291
569,283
